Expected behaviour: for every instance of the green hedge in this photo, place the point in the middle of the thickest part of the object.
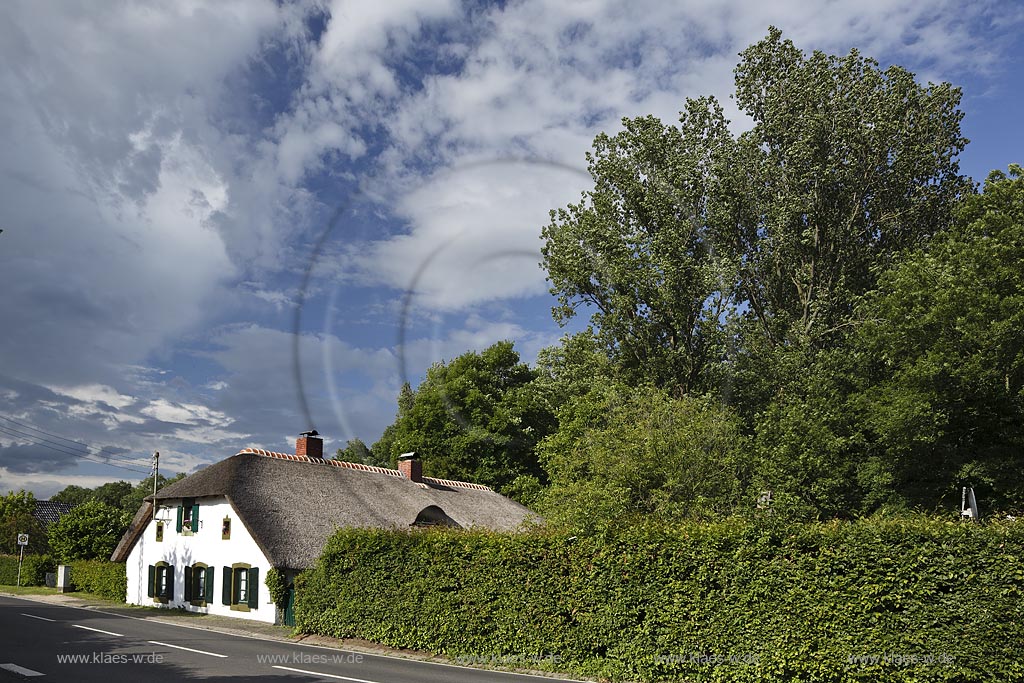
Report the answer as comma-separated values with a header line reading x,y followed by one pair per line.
x,y
813,602
107,579
33,570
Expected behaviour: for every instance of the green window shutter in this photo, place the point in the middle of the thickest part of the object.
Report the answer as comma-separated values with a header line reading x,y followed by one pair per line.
x,y
180,510
254,588
209,585
170,583
152,581
225,589
188,582
195,519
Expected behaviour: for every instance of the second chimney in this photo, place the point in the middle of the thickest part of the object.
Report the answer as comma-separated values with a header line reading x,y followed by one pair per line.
x,y
411,467
310,445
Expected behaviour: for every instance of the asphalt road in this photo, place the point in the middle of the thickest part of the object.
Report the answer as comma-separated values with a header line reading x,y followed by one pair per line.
x,y
46,642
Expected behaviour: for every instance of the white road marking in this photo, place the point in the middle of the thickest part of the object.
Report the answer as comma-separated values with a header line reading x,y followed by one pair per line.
x,y
317,673
98,630
268,639
32,616
20,670
179,647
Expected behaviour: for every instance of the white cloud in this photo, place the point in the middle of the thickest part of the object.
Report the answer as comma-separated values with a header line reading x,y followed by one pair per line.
x,y
185,413
539,79
96,393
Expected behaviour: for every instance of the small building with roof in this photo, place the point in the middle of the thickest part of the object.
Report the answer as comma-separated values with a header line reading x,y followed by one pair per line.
x,y
205,543
50,511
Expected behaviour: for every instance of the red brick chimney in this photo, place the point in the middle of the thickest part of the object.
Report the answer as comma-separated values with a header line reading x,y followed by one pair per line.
x,y
310,445
411,467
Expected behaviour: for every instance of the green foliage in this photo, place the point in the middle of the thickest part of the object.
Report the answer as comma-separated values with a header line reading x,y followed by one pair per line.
x,y
476,418
846,166
277,586
696,246
117,494
357,451
17,503
33,570
792,602
72,494
638,248
16,517
100,577
623,454
112,493
943,385
89,532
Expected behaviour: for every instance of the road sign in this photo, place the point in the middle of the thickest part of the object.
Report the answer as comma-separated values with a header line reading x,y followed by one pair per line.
x,y
22,539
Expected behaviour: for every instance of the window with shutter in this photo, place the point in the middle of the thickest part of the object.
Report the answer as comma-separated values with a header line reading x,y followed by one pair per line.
x,y
244,588
189,513
163,582
200,585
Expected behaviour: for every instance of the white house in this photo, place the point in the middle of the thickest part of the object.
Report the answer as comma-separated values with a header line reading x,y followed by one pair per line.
x,y
215,534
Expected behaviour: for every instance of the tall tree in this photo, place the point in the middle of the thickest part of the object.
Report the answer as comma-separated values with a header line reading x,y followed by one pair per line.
x,y
476,418
696,246
846,165
638,250
943,345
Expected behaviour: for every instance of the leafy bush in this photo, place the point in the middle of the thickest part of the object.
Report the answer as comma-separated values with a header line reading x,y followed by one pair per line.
x,y
277,586
835,602
89,532
106,579
33,570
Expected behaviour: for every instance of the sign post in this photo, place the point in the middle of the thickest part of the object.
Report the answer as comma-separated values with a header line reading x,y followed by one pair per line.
x,y
22,542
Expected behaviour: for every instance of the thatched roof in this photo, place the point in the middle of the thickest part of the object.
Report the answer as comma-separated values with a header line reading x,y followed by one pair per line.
x,y
292,504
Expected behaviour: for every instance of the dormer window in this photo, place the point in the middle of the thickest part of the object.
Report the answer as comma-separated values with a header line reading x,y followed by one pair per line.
x,y
188,517
434,516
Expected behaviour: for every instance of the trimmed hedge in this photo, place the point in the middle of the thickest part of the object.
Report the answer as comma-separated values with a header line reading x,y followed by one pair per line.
x,y
895,600
33,570
103,578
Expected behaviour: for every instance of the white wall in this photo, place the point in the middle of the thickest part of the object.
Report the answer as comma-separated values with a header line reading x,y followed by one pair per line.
x,y
204,546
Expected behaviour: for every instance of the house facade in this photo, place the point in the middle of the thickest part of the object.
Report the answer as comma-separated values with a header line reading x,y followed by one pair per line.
x,y
206,542
196,553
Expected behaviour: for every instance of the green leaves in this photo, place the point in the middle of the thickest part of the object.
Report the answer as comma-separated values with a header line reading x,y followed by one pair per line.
x,y
947,325
622,455
89,532
476,418
662,603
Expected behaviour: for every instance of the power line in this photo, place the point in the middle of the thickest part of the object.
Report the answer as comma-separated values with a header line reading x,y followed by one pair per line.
x,y
58,449
42,431
38,440
88,449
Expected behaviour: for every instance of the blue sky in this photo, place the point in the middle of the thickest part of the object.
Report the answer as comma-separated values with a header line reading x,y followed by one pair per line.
x,y
177,177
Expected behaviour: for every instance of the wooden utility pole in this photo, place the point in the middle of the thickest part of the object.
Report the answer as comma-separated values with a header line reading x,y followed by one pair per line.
x,y
156,475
